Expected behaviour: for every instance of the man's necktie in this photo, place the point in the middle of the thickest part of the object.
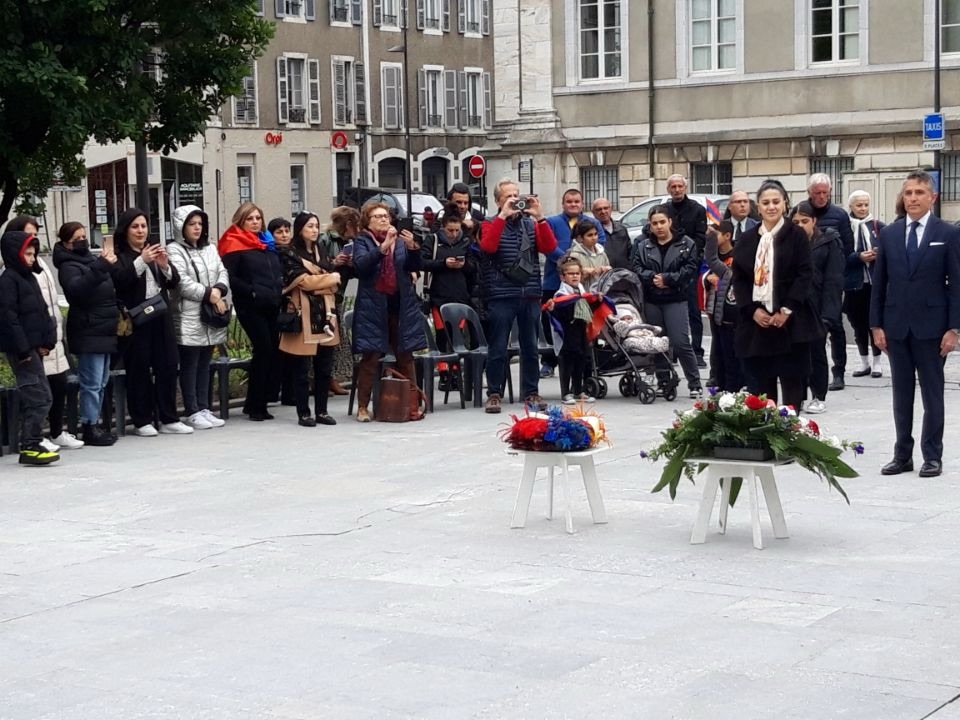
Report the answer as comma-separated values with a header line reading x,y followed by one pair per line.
x,y
913,245
736,231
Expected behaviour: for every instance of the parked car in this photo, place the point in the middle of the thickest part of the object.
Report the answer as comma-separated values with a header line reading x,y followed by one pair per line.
x,y
635,218
393,198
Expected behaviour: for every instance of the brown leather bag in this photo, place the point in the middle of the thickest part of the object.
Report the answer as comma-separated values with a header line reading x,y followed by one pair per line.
x,y
400,400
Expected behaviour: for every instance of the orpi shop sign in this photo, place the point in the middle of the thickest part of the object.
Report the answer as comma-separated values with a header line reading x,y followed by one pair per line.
x,y
273,138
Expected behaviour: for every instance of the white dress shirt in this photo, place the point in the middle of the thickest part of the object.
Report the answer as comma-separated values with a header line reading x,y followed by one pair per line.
x,y
920,228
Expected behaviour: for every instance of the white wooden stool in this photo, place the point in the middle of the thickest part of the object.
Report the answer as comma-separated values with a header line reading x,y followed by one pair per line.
x,y
719,470
533,461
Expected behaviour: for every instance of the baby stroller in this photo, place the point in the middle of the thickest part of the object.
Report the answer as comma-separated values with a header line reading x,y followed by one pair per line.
x,y
632,357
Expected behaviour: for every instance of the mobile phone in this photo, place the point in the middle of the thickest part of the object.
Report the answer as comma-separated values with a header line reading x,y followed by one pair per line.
x,y
347,249
405,224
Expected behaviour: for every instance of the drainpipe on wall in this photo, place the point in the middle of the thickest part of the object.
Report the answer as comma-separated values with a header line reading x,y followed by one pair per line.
x,y
651,94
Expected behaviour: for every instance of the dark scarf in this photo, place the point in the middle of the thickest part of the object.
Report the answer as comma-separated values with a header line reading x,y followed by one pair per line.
x,y
386,282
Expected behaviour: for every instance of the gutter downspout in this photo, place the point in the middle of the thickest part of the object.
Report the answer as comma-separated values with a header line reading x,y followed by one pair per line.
x,y
651,95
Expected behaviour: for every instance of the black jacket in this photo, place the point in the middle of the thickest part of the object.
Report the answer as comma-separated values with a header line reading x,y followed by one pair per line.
x,y
25,322
88,287
678,265
831,216
255,279
619,246
448,284
690,219
826,285
792,274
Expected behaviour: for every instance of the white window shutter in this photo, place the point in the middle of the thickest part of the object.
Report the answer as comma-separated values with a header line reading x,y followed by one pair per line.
x,y
487,101
485,17
356,11
377,13
310,7
334,6
421,10
401,96
422,96
280,8
462,16
283,95
313,74
339,92
462,82
445,16
360,93
260,7
450,98
390,108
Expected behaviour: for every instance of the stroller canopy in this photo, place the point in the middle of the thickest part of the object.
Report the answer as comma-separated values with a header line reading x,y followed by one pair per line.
x,y
621,286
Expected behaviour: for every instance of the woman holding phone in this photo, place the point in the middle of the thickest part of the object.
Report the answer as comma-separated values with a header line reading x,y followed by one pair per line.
x,y
143,277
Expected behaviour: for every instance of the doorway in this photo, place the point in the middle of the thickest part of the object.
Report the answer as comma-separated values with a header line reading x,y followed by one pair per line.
x,y
392,173
344,174
435,176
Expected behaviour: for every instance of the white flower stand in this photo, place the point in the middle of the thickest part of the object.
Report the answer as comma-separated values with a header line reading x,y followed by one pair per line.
x,y
533,461
752,472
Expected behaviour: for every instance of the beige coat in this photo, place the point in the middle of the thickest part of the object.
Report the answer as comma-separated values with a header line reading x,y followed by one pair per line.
x,y
56,362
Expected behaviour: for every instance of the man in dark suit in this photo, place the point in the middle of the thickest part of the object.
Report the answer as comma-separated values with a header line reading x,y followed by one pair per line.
x,y
915,318
739,213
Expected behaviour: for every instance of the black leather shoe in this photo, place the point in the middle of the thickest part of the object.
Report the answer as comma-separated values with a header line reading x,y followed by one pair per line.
x,y
837,384
895,467
862,372
930,468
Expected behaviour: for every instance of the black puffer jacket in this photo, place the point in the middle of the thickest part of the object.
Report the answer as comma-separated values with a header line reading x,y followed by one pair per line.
x,y
88,287
678,264
826,285
690,219
255,279
25,322
449,284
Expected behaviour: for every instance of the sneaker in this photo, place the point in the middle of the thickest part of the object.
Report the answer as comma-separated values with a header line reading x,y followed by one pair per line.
x,y
815,407
586,398
146,431
363,415
198,421
492,405
68,441
213,419
307,421
701,363
49,445
696,392
546,371
568,399
96,436
535,402
324,419
176,428
36,454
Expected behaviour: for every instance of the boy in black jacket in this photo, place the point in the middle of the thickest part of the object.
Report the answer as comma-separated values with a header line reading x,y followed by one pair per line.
x,y
27,333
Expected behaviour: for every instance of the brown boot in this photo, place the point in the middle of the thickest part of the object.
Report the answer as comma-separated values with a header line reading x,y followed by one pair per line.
x,y
337,389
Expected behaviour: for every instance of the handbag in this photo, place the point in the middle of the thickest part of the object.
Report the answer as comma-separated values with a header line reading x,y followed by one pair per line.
x,y
124,323
211,318
399,399
150,309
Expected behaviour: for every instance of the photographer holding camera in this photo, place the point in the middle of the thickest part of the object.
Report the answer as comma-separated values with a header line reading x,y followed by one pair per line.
x,y
512,286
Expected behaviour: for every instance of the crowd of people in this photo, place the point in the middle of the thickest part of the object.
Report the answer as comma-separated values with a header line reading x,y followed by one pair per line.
x,y
773,281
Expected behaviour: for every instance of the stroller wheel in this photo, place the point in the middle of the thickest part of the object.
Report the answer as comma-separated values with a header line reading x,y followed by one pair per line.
x,y
670,394
601,389
647,394
592,387
628,385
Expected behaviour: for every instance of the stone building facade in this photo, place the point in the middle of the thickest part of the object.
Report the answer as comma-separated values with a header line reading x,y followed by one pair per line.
x,y
614,96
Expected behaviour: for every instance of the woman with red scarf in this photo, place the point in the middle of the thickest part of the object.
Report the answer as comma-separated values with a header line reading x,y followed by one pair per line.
x,y
386,316
250,256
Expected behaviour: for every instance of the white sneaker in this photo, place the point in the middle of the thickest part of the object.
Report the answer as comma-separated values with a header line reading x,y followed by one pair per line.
x,y
146,431
49,445
67,441
213,419
176,428
815,407
587,398
568,399
198,421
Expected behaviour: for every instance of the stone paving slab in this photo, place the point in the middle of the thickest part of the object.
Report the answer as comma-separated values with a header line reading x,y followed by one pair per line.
x,y
275,572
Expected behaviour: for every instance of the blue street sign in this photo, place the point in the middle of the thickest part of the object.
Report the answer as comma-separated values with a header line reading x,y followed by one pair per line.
x,y
933,127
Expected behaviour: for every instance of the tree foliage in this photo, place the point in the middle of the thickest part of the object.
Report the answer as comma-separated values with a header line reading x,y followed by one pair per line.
x,y
71,70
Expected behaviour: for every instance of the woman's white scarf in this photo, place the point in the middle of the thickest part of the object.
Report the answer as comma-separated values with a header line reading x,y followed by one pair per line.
x,y
763,268
863,239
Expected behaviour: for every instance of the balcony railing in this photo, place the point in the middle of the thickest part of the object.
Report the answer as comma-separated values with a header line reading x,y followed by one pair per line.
x,y
298,115
474,121
340,14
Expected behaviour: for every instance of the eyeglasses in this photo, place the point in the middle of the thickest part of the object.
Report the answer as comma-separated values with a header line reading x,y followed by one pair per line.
x,y
380,216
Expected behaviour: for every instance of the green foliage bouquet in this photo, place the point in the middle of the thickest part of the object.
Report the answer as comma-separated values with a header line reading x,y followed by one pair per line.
x,y
745,420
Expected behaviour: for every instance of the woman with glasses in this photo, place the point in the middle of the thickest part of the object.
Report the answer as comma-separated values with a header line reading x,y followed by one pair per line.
x,y
91,322
387,315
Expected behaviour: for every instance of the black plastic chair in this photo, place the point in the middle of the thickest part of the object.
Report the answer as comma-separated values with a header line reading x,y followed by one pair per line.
x,y
385,361
462,323
427,367
9,419
221,367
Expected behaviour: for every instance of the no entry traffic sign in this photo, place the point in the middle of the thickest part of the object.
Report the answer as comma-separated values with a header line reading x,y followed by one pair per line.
x,y
477,166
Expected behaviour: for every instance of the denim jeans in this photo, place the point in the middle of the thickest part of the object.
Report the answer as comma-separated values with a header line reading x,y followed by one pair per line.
x,y
195,377
93,373
501,314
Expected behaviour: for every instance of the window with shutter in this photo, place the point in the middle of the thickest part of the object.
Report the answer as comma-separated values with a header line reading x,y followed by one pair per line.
x,y
260,7
377,13
450,98
432,98
470,14
356,11
404,17
487,101
340,111
462,86
473,100
283,105
485,17
245,104
338,11
310,9
390,13
392,97
421,13
422,97
314,82
445,16
280,8
360,93
462,16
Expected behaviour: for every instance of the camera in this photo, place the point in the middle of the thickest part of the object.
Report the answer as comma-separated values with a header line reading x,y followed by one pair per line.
x,y
522,202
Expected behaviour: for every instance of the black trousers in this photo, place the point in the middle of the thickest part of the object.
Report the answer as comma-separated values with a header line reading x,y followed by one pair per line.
x,y
261,327
838,346
856,304
912,358
58,390
547,357
819,370
150,360
696,321
573,366
727,371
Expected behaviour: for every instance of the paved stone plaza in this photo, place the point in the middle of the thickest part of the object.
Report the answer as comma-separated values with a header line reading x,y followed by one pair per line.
x,y
273,572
